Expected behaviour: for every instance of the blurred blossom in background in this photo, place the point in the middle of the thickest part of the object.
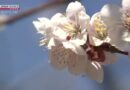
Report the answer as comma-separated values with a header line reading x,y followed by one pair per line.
x,y
24,64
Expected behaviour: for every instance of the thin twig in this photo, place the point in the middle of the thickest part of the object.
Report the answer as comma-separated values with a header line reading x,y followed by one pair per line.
x,y
32,11
108,47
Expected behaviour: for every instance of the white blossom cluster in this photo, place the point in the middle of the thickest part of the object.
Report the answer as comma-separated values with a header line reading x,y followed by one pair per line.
x,y
83,44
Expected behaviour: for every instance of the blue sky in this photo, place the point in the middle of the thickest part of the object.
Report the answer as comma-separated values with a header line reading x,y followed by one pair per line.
x,y
24,64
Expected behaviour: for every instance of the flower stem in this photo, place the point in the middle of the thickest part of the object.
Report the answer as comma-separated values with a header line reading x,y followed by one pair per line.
x,y
108,47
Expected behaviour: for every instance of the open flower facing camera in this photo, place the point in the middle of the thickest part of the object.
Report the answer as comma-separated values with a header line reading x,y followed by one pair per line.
x,y
83,44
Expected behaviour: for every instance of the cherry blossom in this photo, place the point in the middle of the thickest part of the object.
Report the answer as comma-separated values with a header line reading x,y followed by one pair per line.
x,y
71,32
82,44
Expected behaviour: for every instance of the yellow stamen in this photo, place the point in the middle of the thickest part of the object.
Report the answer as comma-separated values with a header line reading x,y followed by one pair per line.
x,y
69,27
100,28
71,30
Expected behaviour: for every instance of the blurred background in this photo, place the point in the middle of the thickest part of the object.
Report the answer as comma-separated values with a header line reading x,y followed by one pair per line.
x,y
24,64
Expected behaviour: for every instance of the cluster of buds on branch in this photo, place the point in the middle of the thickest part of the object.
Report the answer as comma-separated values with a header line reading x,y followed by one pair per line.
x,y
83,44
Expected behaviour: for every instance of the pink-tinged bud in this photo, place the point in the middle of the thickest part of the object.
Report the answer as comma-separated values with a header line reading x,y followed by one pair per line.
x,y
126,4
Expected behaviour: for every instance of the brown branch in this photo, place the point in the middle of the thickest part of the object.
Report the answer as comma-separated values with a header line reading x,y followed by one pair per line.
x,y
32,11
108,47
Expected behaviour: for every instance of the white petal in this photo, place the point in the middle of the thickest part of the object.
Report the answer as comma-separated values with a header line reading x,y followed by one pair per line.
x,y
58,57
75,12
79,40
126,36
37,24
83,20
110,58
94,71
44,20
111,14
51,43
126,4
77,63
59,19
96,41
73,8
45,28
60,34
74,47
127,39
116,36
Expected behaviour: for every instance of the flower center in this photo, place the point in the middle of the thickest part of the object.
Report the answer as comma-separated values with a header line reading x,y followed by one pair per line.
x,y
100,28
72,30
